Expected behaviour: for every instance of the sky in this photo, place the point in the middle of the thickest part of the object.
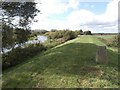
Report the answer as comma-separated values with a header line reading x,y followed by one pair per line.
x,y
99,16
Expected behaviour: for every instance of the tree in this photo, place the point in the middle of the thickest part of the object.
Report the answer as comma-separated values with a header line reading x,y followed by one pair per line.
x,y
81,32
16,17
87,32
23,11
7,36
53,30
12,36
21,35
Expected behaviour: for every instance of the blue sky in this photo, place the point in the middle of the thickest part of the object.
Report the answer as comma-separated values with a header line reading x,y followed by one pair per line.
x,y
95,7
78,14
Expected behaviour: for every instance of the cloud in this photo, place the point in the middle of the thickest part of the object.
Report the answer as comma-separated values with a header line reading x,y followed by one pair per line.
x,y
86,18
57,6
48,24
111,14
52,7
78,18
73,4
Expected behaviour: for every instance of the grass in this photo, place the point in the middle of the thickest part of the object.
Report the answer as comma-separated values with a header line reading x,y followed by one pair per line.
x,y
105,36
106,39
69,65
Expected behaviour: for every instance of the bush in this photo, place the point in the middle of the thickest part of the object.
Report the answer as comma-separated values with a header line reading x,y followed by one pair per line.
x,y
69,35
79,32
119,40
19,55
87,33
50,44
65,34
39,31
58,37
113,42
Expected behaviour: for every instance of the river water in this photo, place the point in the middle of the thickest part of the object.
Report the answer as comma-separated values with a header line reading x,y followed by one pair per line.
x,y
38,39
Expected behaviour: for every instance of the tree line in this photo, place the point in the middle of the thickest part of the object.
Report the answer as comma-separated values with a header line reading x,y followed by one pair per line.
x,y
43,31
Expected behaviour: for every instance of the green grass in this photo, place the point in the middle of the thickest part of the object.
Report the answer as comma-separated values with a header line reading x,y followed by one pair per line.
x,y
107,39
69,65
105,36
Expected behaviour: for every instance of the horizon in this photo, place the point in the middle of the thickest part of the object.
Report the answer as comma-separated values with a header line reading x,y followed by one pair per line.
x,y
98,17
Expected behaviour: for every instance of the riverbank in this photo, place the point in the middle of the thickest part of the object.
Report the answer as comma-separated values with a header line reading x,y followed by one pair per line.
x,y
68,65
29,49
36,40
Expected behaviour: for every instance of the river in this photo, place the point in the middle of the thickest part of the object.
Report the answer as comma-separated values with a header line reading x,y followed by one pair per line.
x,y
38,39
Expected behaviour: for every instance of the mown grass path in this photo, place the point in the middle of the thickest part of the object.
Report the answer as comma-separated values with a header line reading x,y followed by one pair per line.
x,y
71,64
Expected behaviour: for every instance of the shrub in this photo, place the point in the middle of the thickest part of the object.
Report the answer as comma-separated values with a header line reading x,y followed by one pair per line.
x,y
65,34
19,55
69,35
119,40
58,37
79,32
39,31
113,42
87,32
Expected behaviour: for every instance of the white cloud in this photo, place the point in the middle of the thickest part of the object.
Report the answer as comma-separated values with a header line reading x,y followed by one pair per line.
x,y
45,23
79,18
73,4
56,6
52,6
86,18
111,14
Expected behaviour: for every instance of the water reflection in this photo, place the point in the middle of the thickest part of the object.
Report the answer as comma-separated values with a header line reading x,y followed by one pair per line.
x,y
38,39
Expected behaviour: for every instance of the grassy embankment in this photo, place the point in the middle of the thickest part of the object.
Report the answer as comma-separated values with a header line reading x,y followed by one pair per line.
x,y
71,64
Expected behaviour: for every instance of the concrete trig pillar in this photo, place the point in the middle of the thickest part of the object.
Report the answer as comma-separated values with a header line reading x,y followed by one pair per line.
x,y
101,55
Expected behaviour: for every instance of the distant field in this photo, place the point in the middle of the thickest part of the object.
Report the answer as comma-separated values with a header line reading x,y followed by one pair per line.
x,y
105,36
69,65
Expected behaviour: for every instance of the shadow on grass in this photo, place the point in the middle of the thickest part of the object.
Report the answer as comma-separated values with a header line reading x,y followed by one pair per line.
x,y
80,54
79,59
67,60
